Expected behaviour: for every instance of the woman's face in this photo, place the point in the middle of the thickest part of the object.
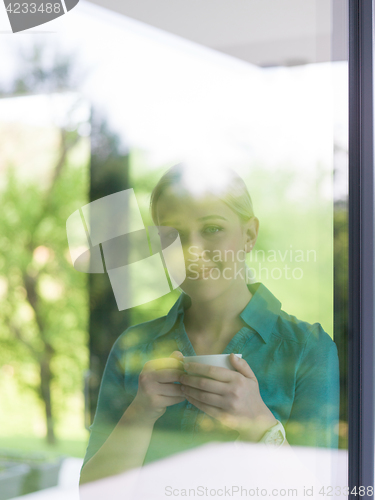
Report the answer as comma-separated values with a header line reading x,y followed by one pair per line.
x,y
214,241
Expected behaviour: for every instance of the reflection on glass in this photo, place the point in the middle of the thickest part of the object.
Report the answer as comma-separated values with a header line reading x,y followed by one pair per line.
x,y
255,92
282,392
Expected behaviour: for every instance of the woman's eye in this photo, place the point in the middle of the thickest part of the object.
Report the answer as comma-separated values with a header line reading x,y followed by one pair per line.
x,y
213,229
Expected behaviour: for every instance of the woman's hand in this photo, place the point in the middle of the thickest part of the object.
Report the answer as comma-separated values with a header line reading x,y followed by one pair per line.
x,y
156,388
232,397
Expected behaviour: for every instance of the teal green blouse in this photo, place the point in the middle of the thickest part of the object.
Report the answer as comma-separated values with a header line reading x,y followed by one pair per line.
x,y
296,365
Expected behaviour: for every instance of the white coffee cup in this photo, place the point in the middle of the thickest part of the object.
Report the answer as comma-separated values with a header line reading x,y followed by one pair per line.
x,y
220,360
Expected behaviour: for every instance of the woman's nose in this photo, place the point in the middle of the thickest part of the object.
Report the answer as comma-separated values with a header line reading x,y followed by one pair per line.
x,y
194,248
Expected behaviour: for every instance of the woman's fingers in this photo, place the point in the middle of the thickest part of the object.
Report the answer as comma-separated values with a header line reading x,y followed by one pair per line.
x,y
162,364
212,411
213,372
169,390
242,366
204,384
170,400
167,376
177,355
203,397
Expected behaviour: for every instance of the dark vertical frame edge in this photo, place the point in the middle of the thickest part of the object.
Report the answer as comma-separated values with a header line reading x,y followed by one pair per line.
x,y
361,247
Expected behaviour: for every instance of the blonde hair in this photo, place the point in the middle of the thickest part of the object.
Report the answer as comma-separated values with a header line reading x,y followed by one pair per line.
x,y
226,184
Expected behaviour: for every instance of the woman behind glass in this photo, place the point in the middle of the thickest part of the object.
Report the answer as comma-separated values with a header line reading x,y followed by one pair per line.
x,y
285,388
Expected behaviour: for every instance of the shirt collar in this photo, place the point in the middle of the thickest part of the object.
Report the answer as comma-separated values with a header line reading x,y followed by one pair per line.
x,y
260,314
262,310
183,302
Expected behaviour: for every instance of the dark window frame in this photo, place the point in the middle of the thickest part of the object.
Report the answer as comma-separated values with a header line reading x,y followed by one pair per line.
x,y
361,246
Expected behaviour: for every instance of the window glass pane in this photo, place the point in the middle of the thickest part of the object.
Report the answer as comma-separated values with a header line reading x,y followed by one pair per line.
x,y
232,120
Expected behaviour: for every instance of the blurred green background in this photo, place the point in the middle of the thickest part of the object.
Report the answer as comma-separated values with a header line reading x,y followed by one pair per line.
x,y
45,303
